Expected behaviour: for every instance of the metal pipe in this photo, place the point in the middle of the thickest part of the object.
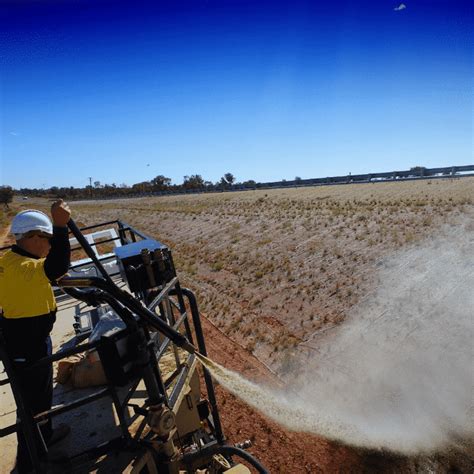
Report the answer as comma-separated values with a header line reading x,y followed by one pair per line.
x,y
102,224
207,376
62,355
168,287
95,244
134,231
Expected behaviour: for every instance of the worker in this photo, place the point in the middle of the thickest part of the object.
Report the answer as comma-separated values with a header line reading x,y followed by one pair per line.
x,y
40,256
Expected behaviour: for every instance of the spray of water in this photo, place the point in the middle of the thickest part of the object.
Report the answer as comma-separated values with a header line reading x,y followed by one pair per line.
x,y
399,373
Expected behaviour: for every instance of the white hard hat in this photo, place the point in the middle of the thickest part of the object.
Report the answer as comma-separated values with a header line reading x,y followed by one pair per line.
x,y
26,221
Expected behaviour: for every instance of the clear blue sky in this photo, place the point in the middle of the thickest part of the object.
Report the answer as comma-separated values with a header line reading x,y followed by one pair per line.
x,y
124,91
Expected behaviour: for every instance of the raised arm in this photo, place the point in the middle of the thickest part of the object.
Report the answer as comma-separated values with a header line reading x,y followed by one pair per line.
x,y
57,261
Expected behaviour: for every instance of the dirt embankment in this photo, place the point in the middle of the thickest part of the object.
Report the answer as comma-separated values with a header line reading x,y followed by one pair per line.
x,y
274,269
287,452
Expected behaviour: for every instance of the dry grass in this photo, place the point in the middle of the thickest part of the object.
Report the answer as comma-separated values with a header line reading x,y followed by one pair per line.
x,y
272,267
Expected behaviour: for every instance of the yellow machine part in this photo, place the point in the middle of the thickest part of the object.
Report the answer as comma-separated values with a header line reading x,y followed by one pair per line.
x,y
238,469
185,408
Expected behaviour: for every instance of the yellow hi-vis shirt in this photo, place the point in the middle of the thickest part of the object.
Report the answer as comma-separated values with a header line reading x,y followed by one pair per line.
x,y
25,290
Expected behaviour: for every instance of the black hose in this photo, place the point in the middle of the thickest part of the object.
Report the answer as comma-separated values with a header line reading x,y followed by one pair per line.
x,y
90,296
228,450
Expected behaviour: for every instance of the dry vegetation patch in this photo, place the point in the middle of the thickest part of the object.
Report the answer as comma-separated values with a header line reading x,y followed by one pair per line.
x,y
274,268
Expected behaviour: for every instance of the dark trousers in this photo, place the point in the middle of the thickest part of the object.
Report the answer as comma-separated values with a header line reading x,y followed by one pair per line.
x,y
27,341
37,391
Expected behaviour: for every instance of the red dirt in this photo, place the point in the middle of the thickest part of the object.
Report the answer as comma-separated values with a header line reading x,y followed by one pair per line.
x,y
279,450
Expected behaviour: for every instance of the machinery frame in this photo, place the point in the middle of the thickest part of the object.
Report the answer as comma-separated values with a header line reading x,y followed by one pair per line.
x,y
156,320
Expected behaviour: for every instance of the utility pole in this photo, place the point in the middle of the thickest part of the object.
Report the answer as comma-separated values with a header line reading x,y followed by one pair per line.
x,y
90,186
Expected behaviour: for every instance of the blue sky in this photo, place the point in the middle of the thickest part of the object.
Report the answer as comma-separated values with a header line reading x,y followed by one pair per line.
x,y
124,91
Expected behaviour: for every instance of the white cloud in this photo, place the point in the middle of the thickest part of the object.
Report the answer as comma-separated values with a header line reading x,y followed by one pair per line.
x,y
15,134
400,7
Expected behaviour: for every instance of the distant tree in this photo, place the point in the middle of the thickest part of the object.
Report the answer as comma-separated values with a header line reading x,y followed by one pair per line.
x,y
62,193
160,182
142,187
96,184
194,181
297,179
6,195
229,178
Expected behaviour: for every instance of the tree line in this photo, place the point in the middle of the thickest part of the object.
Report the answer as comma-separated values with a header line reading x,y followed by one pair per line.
x,y
158,185
196,183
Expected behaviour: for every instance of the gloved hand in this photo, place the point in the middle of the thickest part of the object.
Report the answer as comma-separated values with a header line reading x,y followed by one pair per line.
x,y
60,213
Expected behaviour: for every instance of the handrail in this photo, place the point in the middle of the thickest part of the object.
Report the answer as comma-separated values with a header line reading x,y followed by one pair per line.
x,y
88,249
